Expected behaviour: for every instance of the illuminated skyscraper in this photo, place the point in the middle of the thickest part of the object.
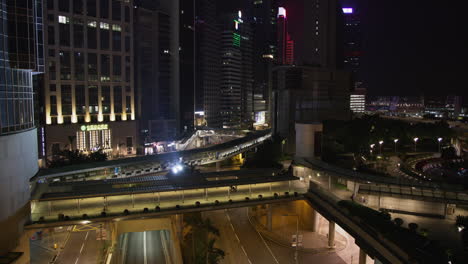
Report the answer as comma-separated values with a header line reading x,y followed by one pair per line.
x,y
236,72
352,43
89,93
285,43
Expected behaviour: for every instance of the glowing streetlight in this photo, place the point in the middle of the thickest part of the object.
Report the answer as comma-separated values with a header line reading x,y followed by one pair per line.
x,y
415,142
380,146
372,147
439,141
395,141
177,168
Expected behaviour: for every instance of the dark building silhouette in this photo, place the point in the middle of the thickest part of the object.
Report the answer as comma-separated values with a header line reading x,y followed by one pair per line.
x,y
157,69
207,65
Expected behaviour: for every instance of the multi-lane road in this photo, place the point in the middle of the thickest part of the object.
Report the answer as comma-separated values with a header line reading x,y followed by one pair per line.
x,y
243,244
150,247
81,247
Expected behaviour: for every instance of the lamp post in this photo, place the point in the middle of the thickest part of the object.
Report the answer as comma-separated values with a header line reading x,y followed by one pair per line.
x,y
395,141
380,146
415,142
372,147
439,140
296,252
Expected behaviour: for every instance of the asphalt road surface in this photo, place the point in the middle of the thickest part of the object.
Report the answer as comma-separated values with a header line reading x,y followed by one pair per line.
x,y
243,244
150,247
81,247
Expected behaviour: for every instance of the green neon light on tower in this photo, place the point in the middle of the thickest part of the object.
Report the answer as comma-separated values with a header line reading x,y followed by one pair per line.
x,y
236,39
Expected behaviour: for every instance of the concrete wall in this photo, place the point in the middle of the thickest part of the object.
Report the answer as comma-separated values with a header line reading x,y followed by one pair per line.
x,y
305,139
18,163
407,205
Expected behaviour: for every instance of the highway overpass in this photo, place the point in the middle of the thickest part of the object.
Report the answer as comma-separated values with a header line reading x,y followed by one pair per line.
x,y
144,165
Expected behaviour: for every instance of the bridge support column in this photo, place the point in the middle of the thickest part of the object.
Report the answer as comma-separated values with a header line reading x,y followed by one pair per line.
x,y
362,256
206,194
179,225
315,221
269,217
356,189
49,205
78,204
218,166
331,234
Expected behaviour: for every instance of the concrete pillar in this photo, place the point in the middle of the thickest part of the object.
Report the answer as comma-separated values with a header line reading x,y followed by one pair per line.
x,y
179,218
329,182
362,256
269,217
356,189
218,166
315,221
331,234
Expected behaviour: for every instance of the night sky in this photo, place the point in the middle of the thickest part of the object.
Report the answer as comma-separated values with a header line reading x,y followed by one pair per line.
x,y
410,47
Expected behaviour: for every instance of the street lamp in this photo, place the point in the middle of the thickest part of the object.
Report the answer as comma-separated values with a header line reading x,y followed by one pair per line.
x,y
395,141
439,140
296,253
415,141
380,146
372,147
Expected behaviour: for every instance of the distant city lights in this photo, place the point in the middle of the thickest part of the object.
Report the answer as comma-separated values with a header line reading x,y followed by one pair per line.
x,y
347,10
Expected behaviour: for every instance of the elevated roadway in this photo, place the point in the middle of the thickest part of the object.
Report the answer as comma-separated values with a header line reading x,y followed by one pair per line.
x,y
144,165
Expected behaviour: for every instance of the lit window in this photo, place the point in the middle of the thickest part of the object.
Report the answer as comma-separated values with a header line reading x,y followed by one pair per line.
x,y
116,28
104,25
92,24
63,20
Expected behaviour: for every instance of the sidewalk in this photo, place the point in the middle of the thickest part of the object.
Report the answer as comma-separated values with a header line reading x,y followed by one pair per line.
x,y
284,227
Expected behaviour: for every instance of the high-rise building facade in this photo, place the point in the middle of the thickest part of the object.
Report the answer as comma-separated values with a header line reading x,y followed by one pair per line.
x,y
357,100
21,57
157,69
317,45
89,93
352,43
285,43
237,72
187,63
264,23
207,65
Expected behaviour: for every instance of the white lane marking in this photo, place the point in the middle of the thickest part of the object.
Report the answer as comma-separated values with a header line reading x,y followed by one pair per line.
x,y
145,260
124,247
264,242
82,246
87,233
164,246
238,240
76,261
242,247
